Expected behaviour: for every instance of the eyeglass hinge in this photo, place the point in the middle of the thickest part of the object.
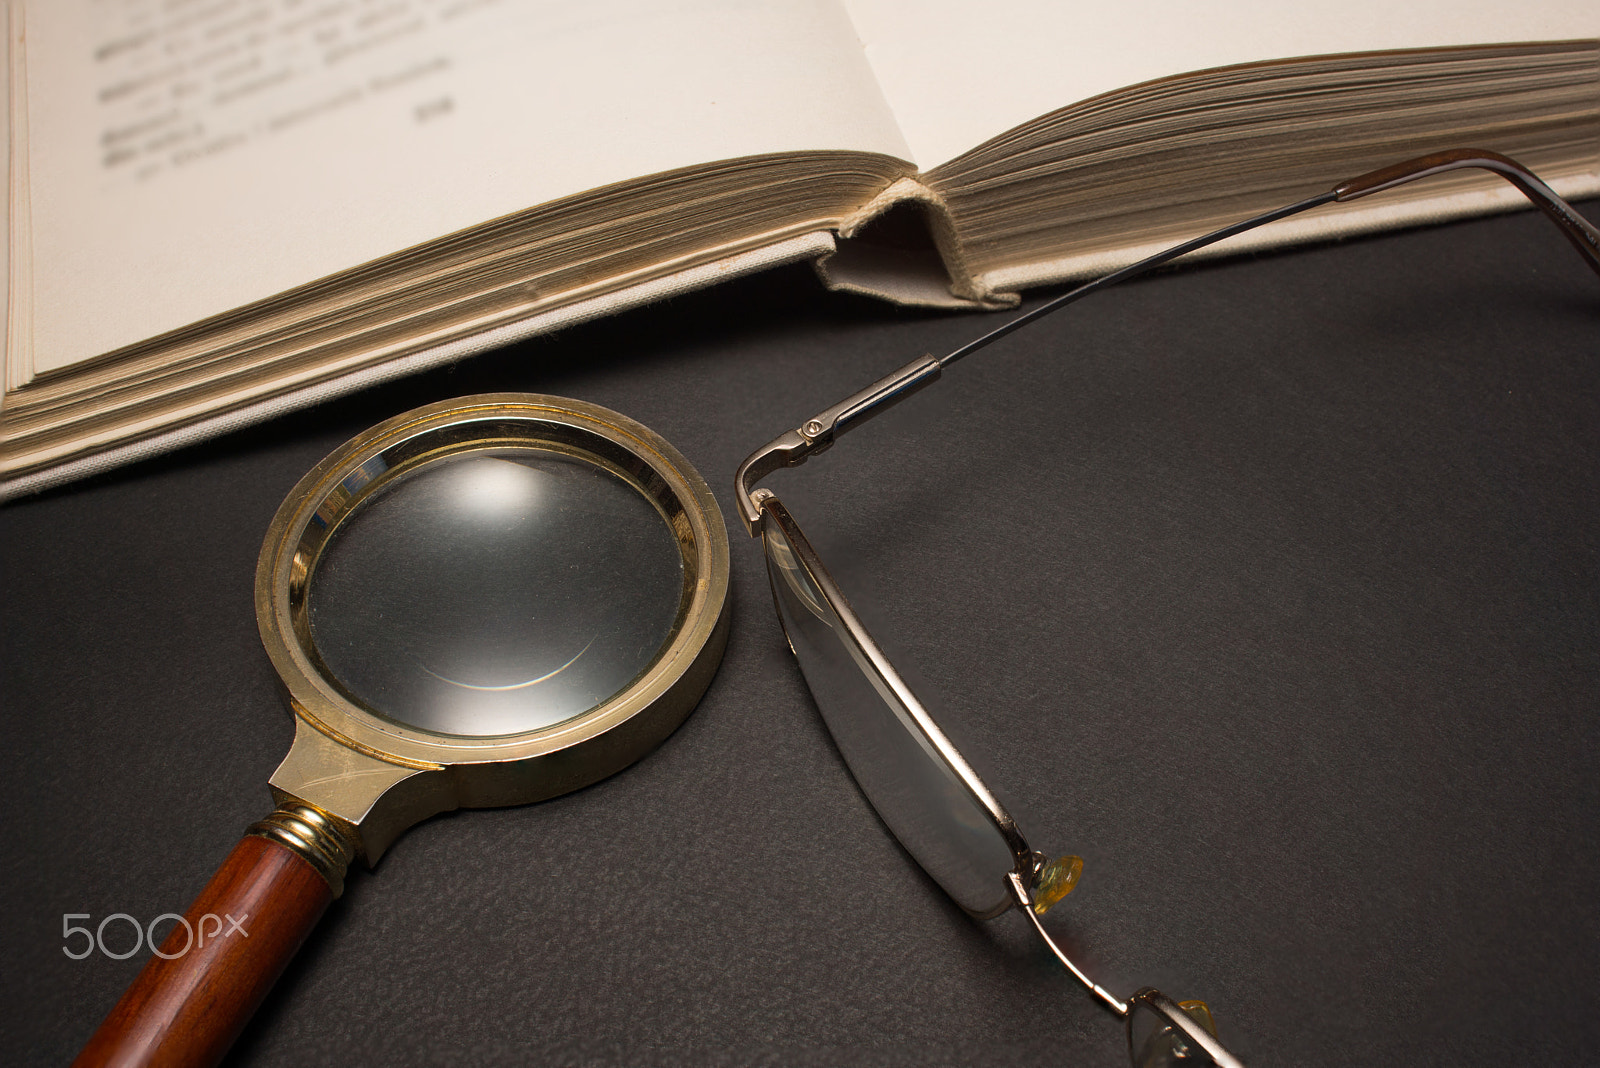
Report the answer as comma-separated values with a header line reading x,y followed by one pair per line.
x,y
818,433
822,428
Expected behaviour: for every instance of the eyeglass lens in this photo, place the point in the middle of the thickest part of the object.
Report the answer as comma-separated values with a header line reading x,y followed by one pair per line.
x,y
910,784
495,592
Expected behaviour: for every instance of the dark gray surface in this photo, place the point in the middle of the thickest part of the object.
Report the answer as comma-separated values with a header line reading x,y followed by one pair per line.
x,y
1271,586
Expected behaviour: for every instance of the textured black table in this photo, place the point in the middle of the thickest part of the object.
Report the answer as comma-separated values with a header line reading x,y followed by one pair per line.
x,y
1271,586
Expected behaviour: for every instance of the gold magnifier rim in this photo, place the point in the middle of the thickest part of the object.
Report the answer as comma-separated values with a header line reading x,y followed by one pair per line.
x,y
651,707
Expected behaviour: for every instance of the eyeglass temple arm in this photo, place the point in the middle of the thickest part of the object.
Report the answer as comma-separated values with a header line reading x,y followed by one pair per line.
x,y
1583,234
818,433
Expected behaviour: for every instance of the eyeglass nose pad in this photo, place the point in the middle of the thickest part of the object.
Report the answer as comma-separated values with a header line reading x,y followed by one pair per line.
x,y
1200,1012
1056,879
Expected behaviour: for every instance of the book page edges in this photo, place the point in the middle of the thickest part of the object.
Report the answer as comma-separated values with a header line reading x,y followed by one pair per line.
x,y
939,277
1335,221
808,246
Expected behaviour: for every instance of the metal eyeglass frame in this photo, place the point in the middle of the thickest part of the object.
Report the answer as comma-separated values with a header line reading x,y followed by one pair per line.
x,y
760,507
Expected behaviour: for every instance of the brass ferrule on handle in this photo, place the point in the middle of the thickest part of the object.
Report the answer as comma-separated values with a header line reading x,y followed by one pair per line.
x,y
321,840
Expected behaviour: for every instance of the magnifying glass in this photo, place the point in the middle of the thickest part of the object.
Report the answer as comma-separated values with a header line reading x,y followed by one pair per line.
x,y
487,601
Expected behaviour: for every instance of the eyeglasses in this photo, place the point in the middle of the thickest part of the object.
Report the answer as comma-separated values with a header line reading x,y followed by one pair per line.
x,y
921,785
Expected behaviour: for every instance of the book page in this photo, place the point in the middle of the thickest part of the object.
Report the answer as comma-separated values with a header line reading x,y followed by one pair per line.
x,y
10,268
16,286
192,156
957,74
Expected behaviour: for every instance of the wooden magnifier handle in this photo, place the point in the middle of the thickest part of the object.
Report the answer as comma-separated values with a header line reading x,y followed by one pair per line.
x,y
201,986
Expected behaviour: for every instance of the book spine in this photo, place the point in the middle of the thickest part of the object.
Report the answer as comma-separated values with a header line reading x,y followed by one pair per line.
x,y
902,246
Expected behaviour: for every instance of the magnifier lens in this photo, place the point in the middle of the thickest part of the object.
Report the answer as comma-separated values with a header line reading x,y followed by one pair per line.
x,y
495,592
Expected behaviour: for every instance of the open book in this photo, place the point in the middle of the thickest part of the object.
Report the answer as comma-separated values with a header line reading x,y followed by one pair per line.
x,y
223,208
